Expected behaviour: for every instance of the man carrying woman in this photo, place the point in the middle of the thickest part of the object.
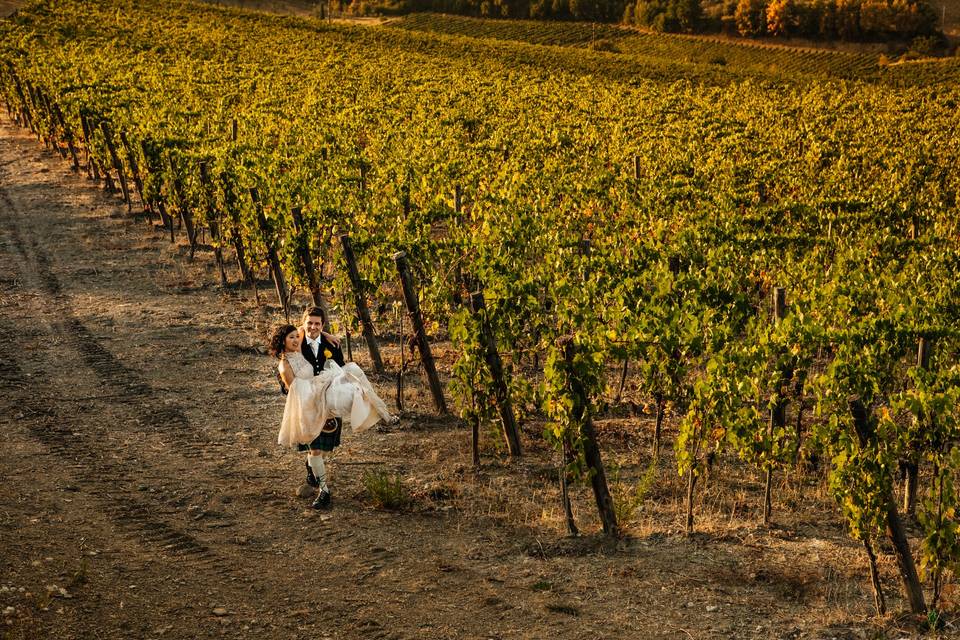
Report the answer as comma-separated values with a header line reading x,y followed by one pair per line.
x,y
322,392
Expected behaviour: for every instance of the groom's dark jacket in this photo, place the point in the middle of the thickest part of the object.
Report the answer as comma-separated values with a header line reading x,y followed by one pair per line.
x,y
318,361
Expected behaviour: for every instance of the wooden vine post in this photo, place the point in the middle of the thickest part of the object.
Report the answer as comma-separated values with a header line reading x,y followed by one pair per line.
x,y
68,134
691,488
24,107
565,488
213,221
31,94
878,600
623,379
97,167
93,171
272,257
501,393
186,217
778,412
911,465
405,194
54,138
416,318
361,302
799,379
866,434
591,451
117,165
134,169
303,252
673,265
231,205
403,365
153,167
54,127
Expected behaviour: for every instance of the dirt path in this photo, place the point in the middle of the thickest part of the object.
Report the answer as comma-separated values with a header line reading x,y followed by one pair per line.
x,y
137,430
144,495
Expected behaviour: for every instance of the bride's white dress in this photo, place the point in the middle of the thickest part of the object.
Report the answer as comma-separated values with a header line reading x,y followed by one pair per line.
x,y
337,392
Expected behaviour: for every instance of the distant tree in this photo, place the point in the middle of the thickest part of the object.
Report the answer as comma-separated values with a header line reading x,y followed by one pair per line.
x,y
539,9
686,14
822,20
751,17
901,19
728,19
586,9
672,16
848,19
781,17
876,18
804,18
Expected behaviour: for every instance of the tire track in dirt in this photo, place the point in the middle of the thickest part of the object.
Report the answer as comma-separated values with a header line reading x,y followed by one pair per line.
x,y
77,446
77,452
125,383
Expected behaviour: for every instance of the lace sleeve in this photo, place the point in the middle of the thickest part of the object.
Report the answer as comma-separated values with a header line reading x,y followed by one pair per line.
x,y
298,366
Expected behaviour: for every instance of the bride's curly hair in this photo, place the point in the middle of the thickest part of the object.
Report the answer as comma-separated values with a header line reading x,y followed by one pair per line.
x,y
277,338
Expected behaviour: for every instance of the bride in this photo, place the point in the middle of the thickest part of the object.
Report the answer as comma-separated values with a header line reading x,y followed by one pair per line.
x,y
314,400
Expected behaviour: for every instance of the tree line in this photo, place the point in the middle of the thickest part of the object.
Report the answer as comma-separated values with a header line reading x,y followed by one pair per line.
x,y
848,20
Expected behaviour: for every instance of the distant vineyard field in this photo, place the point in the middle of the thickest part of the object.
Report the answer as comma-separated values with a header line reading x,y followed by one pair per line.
x,y
733,58
746,56
924,72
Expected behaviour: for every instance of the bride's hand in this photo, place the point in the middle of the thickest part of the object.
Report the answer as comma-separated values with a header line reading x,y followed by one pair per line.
x,y
332,339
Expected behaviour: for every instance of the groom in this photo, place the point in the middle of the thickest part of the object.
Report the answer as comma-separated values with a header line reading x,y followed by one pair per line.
x,y
317,346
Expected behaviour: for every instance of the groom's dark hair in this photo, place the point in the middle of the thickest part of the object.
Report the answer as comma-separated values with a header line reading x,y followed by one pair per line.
x,y
314,311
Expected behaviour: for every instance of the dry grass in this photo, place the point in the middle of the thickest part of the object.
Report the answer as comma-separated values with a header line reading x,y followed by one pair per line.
x,y
805,559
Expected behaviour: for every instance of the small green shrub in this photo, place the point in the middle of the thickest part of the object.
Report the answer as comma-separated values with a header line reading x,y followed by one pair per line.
x,y
627,499
604,45
386,490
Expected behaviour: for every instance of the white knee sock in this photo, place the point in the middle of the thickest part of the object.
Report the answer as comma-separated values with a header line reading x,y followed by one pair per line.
x,y
319,469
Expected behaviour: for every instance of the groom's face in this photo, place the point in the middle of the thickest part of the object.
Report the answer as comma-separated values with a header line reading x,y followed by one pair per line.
x,y
313,325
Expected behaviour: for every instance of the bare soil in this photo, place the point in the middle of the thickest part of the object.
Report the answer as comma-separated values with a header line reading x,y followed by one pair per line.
x,y
144,495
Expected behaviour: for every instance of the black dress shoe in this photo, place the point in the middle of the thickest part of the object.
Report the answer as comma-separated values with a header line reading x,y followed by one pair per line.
x,y
322,501
311,479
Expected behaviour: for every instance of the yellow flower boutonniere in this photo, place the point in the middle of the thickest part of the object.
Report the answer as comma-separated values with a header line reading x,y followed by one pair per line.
x,y
327,353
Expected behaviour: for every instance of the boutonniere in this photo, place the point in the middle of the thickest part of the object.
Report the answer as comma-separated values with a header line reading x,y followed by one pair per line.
x,y
327,353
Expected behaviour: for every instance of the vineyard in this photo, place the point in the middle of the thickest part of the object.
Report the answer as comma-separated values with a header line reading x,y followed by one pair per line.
x,y
758,248
744,56
641,48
